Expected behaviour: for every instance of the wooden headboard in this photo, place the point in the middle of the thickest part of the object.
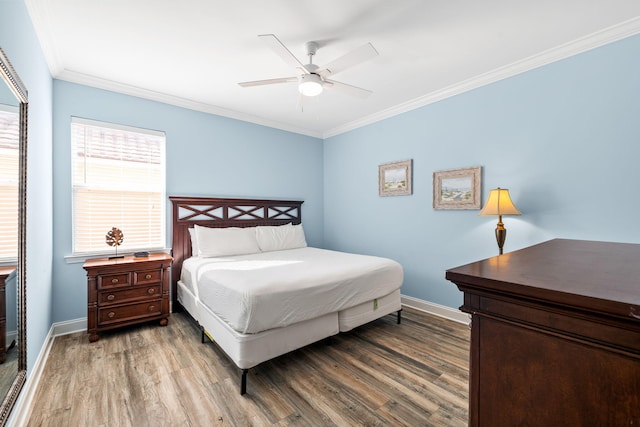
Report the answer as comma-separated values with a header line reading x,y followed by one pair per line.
x,y
222,213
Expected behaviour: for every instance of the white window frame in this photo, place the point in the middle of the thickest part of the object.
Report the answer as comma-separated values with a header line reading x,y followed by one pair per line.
x,y
79,255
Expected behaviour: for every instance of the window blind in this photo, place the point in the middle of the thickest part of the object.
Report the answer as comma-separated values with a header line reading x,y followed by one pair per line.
x,y
9,159
118,180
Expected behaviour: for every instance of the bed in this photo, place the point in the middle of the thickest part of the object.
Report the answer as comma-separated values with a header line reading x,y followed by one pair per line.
x,y
259,304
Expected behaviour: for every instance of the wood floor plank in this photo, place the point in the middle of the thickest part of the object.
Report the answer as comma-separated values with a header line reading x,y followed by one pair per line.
x,y
341,370
306,412
95,405
412,374
272,401
165,409
200,405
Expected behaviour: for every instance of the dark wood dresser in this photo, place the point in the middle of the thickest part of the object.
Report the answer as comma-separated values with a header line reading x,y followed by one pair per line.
x,y
126,291
5,272
555,335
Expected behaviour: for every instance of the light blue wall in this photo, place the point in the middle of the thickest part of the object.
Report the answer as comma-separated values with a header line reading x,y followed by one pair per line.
x,y
207,155
19,42
564,138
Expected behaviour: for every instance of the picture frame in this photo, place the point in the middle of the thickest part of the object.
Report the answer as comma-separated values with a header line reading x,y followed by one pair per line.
x,y
395,179
457,188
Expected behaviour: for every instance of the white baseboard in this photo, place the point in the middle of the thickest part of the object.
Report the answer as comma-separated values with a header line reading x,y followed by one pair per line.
x,y
22,409
437,309
69,327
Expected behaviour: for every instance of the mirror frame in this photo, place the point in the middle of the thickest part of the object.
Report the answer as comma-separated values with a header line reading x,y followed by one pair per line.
x,y
9,75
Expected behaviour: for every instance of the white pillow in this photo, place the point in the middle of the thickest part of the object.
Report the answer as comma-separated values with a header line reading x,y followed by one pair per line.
x,y
194,242
280,237
214,242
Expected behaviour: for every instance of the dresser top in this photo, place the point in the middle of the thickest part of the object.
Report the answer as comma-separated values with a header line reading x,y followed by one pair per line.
x,y
600,276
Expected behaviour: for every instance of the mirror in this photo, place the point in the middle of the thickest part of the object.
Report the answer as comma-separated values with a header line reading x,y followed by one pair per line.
x,y
13,177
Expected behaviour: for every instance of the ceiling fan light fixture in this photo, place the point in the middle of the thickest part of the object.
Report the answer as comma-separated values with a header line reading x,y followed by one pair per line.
x,y
310,85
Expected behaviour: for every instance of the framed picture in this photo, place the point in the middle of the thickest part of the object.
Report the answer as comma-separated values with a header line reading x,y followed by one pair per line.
x,y
394,179
457,188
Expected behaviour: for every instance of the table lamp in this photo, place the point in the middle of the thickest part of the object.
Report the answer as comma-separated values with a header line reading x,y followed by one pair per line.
x,y
499,203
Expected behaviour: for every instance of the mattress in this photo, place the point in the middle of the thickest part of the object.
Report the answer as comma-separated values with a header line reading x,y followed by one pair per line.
x,y
187,298
367,311
190,269
257,292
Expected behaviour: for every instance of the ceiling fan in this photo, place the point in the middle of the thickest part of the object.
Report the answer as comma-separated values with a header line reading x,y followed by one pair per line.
x,y
313,79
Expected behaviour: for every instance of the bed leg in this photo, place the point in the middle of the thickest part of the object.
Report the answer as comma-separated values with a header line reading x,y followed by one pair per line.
x,y
399,316
202,337
243,382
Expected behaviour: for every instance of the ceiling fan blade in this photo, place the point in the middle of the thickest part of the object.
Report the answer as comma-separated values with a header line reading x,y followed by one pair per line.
x,y
348,60
269,81
276,45
358,92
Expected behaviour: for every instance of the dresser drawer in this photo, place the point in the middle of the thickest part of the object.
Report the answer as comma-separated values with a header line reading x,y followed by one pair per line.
x,y
118,280
128,295
146,277
125,313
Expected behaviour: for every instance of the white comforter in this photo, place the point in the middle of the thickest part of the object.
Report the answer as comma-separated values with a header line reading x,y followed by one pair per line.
x,y
253,293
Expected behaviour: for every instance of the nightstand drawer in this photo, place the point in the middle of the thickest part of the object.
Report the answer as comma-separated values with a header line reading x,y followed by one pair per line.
x,y
146,277
128,295
113,280
129,312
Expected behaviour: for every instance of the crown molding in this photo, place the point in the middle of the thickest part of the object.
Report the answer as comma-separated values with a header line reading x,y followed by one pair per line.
x,y
39,12
609,35
96,82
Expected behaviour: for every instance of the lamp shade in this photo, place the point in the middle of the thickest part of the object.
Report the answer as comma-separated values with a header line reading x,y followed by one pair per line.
x,y
499,203
310,85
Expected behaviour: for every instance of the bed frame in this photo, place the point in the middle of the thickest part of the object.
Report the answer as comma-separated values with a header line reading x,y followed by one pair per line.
x,y
225,212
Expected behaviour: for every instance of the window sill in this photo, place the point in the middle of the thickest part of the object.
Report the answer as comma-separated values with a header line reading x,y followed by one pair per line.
x,y
8,262
78,258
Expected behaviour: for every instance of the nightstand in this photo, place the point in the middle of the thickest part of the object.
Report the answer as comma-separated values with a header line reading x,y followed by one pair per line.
x,y
126,291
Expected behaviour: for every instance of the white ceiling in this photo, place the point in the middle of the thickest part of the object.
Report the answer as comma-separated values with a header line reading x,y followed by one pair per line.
x,y
193,53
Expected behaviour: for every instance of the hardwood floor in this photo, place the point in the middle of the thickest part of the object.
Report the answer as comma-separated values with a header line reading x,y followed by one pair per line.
x,y
381,374
9,370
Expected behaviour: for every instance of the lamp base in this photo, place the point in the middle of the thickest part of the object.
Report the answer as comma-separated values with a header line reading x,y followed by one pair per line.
x,y
501,234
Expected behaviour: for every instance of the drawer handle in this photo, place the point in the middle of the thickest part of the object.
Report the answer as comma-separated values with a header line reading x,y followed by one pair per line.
x,y
114,281
111,315
151,291
111,297
152,308
148,276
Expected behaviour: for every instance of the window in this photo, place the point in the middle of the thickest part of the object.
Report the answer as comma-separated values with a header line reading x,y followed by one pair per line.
x,y
9,158
118,180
